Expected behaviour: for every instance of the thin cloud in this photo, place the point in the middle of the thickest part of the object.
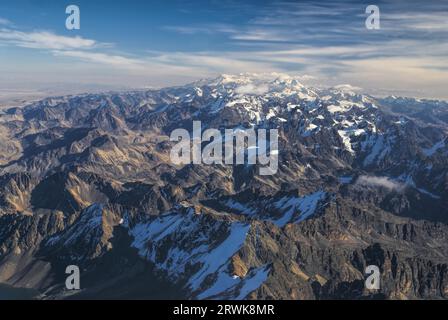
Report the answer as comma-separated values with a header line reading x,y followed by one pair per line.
x,y
262,35
201,29
95,57
188,30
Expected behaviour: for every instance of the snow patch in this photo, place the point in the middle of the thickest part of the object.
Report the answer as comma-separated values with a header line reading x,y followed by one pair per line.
x,y
305,205
191,243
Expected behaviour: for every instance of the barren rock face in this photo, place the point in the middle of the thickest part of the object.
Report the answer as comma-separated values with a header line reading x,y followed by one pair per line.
x,y
88,181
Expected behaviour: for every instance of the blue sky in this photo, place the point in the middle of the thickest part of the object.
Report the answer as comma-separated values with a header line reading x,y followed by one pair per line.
x,y
138,43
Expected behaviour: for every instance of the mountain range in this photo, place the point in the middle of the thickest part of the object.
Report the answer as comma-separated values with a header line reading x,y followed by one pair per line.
x,y
87,180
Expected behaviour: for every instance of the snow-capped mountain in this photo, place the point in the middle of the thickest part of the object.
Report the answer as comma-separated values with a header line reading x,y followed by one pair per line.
x,y
87,180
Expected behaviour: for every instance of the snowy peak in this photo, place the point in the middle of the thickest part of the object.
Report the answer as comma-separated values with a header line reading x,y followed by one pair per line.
x,y
272,89
250,84
273,84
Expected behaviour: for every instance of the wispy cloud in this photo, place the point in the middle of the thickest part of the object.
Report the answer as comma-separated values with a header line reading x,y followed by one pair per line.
x,y
44,40
252,89
73,47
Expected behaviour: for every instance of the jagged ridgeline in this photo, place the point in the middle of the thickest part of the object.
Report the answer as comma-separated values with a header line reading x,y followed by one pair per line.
x,y
87,180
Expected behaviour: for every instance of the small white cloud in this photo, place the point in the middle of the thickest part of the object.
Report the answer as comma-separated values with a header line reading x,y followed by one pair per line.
x,y
347,87
306,77
252,89
384,182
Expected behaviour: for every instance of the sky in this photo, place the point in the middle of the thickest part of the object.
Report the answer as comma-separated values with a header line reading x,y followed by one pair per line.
x,y
145,43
